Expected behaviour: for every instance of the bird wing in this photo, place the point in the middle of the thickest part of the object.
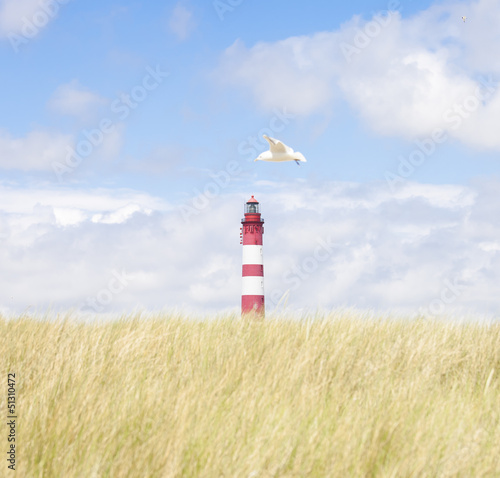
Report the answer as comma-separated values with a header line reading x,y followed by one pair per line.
x,y
276,146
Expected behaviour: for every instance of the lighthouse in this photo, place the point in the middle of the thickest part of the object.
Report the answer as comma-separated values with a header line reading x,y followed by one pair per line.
x,y
252,229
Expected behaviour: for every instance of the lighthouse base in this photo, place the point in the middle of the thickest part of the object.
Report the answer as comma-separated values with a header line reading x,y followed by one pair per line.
x,y
253,305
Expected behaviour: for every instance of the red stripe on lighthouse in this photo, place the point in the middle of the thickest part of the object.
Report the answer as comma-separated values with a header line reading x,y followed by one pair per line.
x,y
252,304
252,232
253,270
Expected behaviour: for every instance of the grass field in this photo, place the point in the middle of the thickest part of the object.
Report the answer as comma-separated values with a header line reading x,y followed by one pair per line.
x,y
337,395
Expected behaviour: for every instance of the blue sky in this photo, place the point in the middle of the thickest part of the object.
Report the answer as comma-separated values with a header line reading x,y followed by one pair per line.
x,y
128,129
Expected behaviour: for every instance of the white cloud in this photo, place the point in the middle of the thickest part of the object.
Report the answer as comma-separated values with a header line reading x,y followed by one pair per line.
x,y
403,77
43,150
26,18
295,73
61,247
46,151
120,215
20,202
12,13
181,22
74,100
40,150
36,151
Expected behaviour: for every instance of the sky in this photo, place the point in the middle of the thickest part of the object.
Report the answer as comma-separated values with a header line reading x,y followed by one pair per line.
x,y
129,129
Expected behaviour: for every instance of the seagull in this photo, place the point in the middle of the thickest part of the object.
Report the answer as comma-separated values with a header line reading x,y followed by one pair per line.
x,y
279,151
464,18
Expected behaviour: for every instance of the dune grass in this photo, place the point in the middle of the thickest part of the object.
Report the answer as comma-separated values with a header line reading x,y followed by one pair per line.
x,y
336,395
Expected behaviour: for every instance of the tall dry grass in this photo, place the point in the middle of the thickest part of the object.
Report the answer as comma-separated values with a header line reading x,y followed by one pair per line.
x,y
340,395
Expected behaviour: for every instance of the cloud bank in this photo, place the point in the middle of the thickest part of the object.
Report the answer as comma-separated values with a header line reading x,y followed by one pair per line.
x,y
426,248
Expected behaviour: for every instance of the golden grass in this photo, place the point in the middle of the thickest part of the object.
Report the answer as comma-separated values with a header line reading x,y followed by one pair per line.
x,y
340,395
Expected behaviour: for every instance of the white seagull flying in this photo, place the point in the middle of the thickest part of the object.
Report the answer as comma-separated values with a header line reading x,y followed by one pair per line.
x,y
464,18
279,151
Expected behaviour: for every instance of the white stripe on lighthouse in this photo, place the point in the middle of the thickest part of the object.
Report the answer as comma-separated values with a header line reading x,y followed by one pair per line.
x,y
253,285
252,255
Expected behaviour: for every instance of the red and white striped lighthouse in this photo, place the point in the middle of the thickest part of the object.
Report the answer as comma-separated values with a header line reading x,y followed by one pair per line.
x,y
252,295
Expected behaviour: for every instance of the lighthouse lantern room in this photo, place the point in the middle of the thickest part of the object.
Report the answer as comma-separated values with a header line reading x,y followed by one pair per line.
x,y
252,229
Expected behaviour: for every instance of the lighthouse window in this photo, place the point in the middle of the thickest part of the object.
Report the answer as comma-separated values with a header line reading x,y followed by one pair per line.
x,y
251,208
